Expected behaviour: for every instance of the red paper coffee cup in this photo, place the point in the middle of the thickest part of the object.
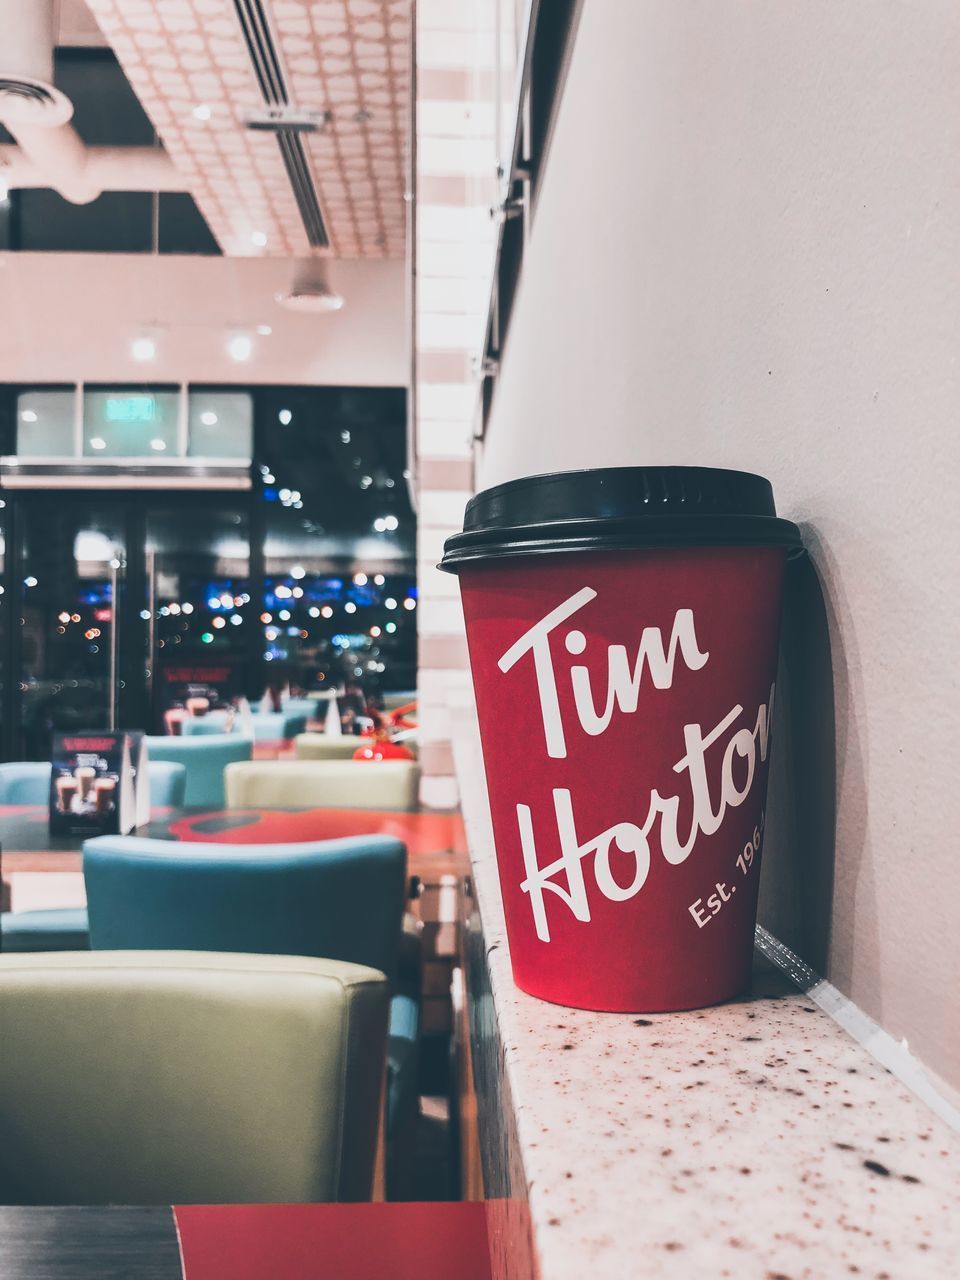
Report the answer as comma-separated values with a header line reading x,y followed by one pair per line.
x,y
623,629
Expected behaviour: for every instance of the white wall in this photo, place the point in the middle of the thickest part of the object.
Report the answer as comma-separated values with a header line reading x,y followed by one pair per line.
x,y
67,317
746,254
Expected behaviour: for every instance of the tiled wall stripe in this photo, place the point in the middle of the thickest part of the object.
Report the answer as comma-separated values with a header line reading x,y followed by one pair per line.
x,y
455,188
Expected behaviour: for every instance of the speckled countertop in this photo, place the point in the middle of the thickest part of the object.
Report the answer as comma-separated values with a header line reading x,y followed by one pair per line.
x,y
752,1140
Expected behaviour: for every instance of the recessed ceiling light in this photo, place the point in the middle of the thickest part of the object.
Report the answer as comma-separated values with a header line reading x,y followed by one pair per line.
x,y
202,111
350,607
344,437
285,416
158,445
97,442
28,415
259,238
143,348
240,347
297,572
209,418
391,523
264,330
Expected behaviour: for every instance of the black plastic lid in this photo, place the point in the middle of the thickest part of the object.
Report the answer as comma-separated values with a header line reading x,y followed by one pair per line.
x,y
619,509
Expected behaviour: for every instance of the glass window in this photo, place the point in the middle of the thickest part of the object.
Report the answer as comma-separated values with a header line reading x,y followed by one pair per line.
x,y
130,424
45,424
221,424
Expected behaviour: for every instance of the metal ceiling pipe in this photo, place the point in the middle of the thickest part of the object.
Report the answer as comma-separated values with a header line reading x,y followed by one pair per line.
x,y
49,152
105,169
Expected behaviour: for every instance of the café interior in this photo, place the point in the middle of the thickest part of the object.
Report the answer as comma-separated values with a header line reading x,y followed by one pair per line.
x,y
284,285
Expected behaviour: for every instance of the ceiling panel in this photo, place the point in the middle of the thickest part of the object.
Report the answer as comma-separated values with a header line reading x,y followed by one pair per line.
x,y
348,57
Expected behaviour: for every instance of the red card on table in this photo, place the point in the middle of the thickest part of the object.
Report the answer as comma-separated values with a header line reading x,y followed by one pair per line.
x,y
402,1241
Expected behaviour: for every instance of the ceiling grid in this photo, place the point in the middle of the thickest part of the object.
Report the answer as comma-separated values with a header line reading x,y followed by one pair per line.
x,y
346,57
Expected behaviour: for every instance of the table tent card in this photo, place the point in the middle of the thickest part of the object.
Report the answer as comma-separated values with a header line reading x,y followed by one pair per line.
x,y
92,785
331,725
140,762
245,717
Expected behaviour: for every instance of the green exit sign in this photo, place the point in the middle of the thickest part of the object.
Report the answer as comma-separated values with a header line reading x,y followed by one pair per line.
x,y
131,409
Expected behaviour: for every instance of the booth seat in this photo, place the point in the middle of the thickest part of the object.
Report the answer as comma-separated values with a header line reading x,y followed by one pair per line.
x,y
342,899
25,782
141,1078
323,746
55,929
309,784
28,782
274,726
391,701
205,760
65,928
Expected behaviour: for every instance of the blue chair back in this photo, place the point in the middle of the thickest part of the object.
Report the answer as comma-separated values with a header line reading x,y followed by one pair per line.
x,y
339,899
205,760
25,782
168,784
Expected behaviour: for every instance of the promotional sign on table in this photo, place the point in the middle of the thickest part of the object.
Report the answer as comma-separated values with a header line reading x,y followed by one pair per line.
x,y
99,784
219,683
623,630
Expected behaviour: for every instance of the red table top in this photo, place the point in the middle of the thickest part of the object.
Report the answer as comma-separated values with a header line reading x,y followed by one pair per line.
x,y
26,845
334,1242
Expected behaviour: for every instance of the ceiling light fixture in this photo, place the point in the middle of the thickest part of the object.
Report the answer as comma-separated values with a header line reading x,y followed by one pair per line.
x,y
202,111
286,417
143,349
259,238
209,418
264,330
240,347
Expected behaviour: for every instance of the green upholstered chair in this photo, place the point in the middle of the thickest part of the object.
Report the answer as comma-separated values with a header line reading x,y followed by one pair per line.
x,y
342,899
188,1077
323,746
205,760
309,784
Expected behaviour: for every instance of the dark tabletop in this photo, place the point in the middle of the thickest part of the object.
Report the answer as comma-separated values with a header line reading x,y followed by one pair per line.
x,y
80,1244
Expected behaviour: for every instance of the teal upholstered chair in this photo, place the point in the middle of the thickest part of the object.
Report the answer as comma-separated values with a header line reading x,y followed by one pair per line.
x,y
205,760
65,928
168,784
25,782
342,899
28,782
58,929
137,1078
273,726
